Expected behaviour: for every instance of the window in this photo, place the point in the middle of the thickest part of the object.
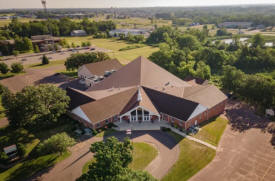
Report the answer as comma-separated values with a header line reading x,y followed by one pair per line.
x,y
97,125
107,121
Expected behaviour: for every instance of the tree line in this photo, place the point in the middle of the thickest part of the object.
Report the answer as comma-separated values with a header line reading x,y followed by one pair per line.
x,y
192,53
62,27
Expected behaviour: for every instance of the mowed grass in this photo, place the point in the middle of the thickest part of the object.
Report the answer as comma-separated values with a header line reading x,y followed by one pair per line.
x,y
115,45
193,157
212,130
85,168
24,170
51,63
143,154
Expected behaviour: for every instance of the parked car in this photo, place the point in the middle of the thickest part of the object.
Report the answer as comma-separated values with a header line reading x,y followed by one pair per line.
x,y
88,132
92,49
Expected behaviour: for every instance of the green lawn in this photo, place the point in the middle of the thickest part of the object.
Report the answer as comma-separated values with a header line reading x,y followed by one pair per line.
x,y
85,168
2,109
193,157
32,163
24,170
212,130
143,154
115,45
52,63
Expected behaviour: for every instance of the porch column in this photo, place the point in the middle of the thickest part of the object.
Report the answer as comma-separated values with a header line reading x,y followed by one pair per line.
x,y
142,115
159,118
136,115
130,118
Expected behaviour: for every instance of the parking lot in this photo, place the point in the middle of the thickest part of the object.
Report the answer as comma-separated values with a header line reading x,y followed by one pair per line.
x,y
245,152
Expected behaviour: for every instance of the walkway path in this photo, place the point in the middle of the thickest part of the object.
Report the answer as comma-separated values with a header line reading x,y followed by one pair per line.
x,y
71,168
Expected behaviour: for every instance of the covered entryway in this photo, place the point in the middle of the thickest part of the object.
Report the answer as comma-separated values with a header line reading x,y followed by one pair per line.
x,y
140,114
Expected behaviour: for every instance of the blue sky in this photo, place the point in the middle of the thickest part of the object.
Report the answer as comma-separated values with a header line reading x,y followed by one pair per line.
x,y
4,4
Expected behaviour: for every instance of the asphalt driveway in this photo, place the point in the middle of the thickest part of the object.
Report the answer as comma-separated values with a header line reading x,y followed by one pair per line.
x,y
71,168
245,152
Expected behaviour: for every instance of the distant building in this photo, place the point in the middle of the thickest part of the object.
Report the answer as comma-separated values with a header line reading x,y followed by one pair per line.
x,y
117,32
4,17
235,25
78,33
268,44
194,24
44,41
93,73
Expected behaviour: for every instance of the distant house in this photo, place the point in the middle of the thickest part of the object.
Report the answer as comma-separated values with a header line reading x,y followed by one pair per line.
x,y
235,25
44,41
93,73
117,32
78,33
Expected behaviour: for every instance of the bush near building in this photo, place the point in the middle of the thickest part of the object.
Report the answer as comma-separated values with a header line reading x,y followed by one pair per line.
x,y
17,68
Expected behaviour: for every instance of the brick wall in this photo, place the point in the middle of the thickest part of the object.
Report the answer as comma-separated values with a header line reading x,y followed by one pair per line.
x,y
214,111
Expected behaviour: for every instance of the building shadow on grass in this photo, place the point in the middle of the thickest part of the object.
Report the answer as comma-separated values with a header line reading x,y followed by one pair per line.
x,y
160,136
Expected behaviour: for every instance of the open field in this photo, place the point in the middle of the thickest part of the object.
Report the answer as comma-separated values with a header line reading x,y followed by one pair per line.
x,y
115,45
212,130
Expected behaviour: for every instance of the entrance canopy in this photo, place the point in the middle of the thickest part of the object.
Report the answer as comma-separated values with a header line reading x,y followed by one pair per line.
x,y
139,114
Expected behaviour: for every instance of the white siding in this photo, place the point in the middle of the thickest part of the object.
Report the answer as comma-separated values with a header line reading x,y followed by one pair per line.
x,y
78,111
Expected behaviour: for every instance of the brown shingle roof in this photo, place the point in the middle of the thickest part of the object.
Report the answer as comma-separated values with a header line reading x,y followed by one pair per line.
x,y
99,68
77,98
208,95
107,107
171,105
161,92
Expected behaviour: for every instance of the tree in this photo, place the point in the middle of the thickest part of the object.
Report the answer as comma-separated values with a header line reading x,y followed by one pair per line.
x,y
17,68
78,59
36,49
45,60
57,143
257,40
222,32
112,158
203,71
4,68
15,53
35,106
188,41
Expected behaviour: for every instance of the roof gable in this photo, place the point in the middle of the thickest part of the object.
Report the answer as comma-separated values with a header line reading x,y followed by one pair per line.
x,y
171,105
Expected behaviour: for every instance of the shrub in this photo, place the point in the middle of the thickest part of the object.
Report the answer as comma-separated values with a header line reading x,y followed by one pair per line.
x,y
3,158
17,67
56,143
36,49
94,132
4,68
45,60
21,150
